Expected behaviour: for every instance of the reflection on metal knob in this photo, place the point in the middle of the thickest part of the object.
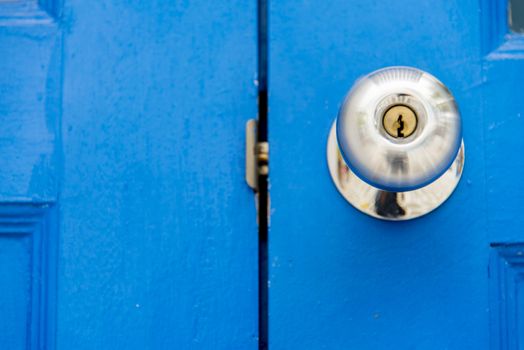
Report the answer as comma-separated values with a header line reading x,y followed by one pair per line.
x,y
395,151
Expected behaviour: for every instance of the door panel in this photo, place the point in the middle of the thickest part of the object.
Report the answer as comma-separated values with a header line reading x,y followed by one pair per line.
x,y
503,127
30,47
340,279
122,149
158,242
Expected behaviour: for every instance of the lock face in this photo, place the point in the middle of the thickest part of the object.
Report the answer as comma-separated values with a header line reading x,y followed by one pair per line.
x,y
398,136
399,121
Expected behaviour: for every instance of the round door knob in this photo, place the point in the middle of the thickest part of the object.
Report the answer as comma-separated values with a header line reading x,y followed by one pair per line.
x,y
398,135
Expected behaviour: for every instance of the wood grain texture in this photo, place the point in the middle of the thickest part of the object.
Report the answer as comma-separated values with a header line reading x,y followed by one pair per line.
x,y
158,229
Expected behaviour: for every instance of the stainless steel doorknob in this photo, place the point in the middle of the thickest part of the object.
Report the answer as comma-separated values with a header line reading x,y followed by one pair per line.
x,y
395,150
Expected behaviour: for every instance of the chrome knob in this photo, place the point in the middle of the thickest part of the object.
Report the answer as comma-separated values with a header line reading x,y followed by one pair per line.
x,y
398,132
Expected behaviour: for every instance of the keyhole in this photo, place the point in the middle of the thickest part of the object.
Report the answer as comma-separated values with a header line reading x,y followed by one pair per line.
x,y
400,129
400,121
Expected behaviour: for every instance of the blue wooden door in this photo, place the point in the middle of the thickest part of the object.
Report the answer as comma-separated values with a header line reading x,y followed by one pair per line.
x,y
342,280
125,222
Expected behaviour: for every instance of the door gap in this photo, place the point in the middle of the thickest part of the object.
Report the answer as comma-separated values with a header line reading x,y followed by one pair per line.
x,y
263,196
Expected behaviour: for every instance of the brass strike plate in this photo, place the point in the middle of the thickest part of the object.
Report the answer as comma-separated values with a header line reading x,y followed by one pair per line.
x,y
251,167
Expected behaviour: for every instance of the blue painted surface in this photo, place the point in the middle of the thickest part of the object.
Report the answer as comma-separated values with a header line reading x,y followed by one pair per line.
x,y
28,275
158,230
127,119
342,280
30,72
